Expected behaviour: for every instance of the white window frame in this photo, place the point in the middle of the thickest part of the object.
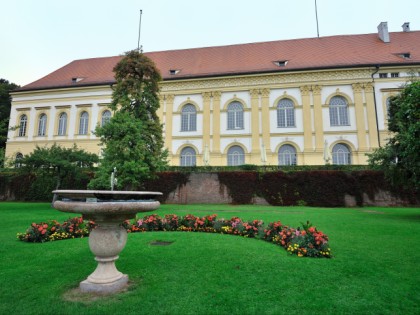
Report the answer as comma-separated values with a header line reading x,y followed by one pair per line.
x,y
106,117
84,123
287,155
188,157
42,125
338,108
286,113
341,154
235,116
235,156
23,123
62,124
188,118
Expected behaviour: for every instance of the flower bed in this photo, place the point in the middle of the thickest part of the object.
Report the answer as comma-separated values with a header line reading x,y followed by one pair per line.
x,y
52,230
304,241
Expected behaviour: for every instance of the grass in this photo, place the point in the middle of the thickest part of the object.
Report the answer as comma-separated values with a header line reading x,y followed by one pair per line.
x,y
375,269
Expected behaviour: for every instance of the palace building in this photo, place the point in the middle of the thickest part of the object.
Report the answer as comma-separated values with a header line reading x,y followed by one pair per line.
x,y
305,101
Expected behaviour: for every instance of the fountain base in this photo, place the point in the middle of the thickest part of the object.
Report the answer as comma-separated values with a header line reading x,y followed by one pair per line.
x,y
104,288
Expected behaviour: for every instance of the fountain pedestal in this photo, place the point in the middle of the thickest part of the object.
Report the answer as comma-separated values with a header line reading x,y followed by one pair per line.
x,y
108,209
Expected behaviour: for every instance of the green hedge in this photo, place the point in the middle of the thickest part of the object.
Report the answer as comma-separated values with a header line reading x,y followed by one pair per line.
x,y
29,187
267,168
325,188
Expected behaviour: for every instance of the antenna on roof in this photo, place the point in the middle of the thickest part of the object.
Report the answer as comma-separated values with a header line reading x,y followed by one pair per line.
x,y
316,15
139,48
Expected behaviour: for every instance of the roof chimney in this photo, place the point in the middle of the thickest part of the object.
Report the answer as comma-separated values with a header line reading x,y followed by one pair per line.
x,y
383,32
406,27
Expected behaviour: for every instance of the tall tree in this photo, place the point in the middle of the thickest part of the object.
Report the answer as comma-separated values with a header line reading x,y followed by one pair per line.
x,y
400,157
5,104
132,139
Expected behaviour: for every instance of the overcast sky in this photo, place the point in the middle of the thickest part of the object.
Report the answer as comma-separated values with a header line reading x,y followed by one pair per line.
x,y
40,36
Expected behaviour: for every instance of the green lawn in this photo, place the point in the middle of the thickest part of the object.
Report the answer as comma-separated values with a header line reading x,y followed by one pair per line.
x,y
375,269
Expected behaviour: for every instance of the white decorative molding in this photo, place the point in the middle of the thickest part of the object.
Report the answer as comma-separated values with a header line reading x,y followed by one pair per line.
x,y
264,80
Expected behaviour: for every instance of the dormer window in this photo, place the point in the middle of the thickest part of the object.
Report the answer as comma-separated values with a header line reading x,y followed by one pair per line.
x,y
405,55
174,71
280,63
76,79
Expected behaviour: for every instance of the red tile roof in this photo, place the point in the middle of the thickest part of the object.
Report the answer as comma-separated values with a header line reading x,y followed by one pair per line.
x,y
301,54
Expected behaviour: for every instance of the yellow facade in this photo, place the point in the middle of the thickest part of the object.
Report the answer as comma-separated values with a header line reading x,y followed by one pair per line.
x,y
313,136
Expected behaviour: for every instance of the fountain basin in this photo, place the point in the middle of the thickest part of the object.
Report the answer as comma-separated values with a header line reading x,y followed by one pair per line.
x,y
108,209
120,205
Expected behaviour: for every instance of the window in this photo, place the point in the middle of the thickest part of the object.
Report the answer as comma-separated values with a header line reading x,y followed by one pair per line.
x,y
338,111
395,75
188,118
383,75
174,71
62,124
280,63
285,113
235,116
106,117
18,160
236,156
42,125
22,125
188,157
341,154
84,123
287,155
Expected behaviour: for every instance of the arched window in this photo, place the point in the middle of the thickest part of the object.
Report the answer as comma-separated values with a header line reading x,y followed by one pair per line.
x,y
62,124
188,118
236,156
341,154
22,125
338,111
287,155
235,116
285,113
84,123
42,125
188,157
18,159
106,117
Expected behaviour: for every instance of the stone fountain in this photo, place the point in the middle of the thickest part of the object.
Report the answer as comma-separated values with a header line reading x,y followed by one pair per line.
x,y
108,208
